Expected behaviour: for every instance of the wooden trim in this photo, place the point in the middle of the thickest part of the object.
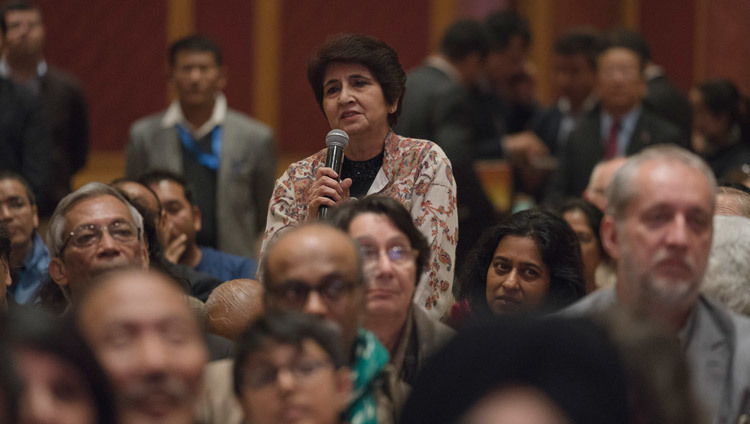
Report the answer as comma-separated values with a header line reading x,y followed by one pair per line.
x,y
540,14
631,12
267,61
180,19
442,14
700,41
180,22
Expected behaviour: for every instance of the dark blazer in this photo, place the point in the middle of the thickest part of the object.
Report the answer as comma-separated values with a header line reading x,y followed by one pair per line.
x,y
24,138
667,101
584,148
547,126
65,110
437,108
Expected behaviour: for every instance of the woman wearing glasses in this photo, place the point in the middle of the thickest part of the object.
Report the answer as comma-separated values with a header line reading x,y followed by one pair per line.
x,y
395,254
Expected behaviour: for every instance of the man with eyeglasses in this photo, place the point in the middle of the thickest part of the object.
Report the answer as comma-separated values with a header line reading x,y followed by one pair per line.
x,y
316,269
619,126
92,230
18,211
291,369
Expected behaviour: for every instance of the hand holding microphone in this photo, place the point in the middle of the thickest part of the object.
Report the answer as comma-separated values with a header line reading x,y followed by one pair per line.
x,y
328,190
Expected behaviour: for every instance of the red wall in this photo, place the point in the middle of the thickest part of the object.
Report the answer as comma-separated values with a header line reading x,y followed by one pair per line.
x,y
669,25
728,42
116,49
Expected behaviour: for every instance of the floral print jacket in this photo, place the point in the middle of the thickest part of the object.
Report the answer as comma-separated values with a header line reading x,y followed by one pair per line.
x,y
417,174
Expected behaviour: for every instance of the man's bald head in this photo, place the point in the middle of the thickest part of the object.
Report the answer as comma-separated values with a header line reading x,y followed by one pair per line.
x,y
233,306
316,269
599,180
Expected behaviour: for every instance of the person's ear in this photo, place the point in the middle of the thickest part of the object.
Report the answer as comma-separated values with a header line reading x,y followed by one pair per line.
x,y
197,218
392,108
58,271
608,232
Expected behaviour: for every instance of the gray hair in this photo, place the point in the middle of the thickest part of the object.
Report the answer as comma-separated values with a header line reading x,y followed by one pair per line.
x,y
738,205
622,188
727,278
55,232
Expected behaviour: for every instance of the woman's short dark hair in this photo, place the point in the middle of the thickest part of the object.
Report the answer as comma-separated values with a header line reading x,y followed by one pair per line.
x,y
721,97
5,245
558,245
287,328
593,217
343,215
36,330
368,51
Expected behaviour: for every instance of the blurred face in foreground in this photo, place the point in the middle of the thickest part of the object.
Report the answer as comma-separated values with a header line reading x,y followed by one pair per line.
x,y
149,343
515,405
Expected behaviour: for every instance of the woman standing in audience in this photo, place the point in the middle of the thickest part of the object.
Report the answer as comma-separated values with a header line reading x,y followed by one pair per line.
x,y
359,83
721,122
62,381
530,262
585,219
395,254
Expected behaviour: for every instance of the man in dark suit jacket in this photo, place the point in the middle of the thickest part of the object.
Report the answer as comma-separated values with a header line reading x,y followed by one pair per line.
x,y
620,126
60,97
435,107
575,75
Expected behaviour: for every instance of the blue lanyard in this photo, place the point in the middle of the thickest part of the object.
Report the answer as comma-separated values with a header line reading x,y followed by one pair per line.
x,y
210,160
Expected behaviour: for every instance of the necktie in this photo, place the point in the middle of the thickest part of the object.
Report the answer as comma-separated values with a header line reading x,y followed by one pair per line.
x,y
611,148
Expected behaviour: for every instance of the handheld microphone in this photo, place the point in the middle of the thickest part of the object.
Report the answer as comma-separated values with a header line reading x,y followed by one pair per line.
x,y
336,141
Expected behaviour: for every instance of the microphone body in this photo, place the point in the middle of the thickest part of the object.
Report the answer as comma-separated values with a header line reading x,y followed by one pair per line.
x,y
336,141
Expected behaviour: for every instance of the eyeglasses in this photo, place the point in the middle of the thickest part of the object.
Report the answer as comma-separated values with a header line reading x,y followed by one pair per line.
x,y
295,294
90,234
302,370
396,254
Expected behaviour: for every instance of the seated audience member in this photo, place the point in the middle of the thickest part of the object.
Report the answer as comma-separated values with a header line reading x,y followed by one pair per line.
x,y
619,126
92,230
149,343
182,221
395,254
733,199
585,220
656,369
5,280
291,369
18,211
62,381
228,157
198,284
316,269
658,227
529,262
553,371
727,279
574,67
59,94
232,307
599,180
721,121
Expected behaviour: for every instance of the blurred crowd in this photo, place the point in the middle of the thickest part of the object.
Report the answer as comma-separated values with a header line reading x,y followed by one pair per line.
x,y
388,286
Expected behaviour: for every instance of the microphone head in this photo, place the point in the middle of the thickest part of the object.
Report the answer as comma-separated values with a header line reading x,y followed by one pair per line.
x,y
337,138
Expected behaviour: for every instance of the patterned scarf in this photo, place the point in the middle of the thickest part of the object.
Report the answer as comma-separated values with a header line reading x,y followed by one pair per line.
x,y
370,357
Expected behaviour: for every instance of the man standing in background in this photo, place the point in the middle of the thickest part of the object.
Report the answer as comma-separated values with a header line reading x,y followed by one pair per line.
x,y
61,100
227,157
